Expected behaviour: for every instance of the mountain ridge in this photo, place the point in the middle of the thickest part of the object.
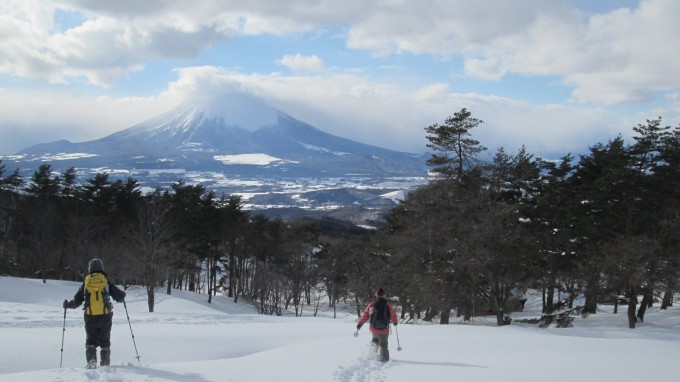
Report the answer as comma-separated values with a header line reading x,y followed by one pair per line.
x,y
193,134
237,144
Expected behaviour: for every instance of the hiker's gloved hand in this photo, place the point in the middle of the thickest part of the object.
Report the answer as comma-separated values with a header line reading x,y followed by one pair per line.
x,y
358,326
65,304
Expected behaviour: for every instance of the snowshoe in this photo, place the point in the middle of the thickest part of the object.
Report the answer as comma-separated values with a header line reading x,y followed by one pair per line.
x,y
91,364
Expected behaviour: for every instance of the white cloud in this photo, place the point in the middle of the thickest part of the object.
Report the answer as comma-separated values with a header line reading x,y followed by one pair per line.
x,y
350,106
29,118
487,69
120,37
441,28
385,115
300,63
622,56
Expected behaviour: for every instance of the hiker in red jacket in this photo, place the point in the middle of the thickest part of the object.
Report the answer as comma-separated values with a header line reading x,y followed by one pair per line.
x,y
379,313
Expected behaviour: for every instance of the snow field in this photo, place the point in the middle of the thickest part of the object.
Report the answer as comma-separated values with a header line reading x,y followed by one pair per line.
x,y
186,339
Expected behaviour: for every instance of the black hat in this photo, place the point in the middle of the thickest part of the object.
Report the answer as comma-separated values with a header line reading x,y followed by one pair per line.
x,y
95,265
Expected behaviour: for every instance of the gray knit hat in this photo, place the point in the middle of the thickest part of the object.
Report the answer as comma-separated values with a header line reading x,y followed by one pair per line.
x,y
95,265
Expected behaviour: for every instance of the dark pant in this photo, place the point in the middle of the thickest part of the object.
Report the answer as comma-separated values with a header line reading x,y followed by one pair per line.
x,y
380,342
98,330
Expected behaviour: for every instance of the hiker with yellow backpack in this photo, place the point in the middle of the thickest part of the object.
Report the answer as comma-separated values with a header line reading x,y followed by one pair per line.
x,y
97,292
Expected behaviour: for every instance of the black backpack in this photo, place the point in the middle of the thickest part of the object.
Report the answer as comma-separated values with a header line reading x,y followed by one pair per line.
x,y
380,317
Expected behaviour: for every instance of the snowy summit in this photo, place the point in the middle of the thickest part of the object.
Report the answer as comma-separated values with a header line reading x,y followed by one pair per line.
x,y
216,135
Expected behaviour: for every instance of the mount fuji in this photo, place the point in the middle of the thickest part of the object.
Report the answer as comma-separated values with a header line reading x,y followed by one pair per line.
x,y
236,143
233,134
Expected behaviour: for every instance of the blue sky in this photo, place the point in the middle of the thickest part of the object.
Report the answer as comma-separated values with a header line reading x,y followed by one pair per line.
x,y
554,75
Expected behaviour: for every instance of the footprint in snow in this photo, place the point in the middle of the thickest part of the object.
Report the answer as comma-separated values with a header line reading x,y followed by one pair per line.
x,y
366,368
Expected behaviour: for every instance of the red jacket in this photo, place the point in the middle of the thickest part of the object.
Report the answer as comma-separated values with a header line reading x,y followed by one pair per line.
x,y
367,315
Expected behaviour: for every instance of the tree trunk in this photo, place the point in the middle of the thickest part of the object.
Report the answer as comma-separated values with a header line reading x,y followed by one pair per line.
x,y
543,300
446,313
632,303
431,313
572,294
500,317
335,309
150,298
550,296
616,304
667,297
168,289
590,304
643,306
210,280
232,278
192,282
467,308
60,263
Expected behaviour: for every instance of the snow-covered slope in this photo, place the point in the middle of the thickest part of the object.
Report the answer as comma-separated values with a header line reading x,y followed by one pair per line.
x,y
188,340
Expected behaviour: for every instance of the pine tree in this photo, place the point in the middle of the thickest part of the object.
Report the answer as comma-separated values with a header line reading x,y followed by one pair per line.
x,y
455,149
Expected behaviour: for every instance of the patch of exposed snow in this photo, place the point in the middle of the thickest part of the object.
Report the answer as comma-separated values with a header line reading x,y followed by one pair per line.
x,y
166,171
395,196
368,227
322,149
63,156
13,157
250,159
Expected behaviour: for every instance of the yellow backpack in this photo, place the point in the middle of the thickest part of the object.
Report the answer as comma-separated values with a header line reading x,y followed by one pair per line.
x,y
97,300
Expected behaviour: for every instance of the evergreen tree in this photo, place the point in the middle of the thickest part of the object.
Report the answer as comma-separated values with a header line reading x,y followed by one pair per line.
x,y
454,148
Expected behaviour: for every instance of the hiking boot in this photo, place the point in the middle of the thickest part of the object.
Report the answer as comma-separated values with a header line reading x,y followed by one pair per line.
x,y
91,354
384,354
105,354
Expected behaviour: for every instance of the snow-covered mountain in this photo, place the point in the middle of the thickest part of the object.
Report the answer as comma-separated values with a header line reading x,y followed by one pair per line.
x,y
232,134
236,144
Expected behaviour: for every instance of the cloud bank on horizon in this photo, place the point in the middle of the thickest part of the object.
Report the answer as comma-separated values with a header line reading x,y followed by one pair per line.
x,y
554,75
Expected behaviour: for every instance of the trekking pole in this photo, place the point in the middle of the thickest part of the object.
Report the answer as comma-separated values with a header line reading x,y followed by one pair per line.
x,y
133,335
397,331
62,340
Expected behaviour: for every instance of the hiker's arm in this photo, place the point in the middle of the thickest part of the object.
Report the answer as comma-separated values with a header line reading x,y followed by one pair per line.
x,y
78,299
116,293
393,315
364,317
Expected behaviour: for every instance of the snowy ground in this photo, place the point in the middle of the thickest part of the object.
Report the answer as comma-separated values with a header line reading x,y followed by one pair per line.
x,y
188,340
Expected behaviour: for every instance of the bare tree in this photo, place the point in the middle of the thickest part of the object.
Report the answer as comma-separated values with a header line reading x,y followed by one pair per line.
x,y
628,260
151,238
